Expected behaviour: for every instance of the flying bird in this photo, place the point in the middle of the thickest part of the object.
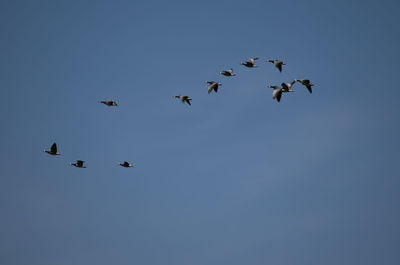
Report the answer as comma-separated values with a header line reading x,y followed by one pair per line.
x,y
184,99
278,64
109,103
125,164
276,93
306,83
79,163
228,72
213,86
53,150
287,87
250,63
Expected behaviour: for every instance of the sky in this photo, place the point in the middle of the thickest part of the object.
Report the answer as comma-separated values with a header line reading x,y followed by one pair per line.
x,y
236,178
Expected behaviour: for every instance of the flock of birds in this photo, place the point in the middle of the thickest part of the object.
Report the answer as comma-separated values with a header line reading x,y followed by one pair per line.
x,y
212,86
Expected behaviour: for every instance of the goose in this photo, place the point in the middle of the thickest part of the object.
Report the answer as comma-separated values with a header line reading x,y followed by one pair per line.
x,y
53,150
250,63
184,99
79,163
227,72
213,86
306,83
125,164
276,93
109,103
278,64
287,87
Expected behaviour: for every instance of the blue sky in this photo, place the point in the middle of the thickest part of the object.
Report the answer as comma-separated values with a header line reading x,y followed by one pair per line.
x,y
236,178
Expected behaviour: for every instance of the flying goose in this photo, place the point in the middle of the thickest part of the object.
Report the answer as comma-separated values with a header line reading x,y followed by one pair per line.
x,y
125,164
306,83
228,72
53,150
184,99
276,93
287,87
213,86
79,163
109,103
278,64
250,63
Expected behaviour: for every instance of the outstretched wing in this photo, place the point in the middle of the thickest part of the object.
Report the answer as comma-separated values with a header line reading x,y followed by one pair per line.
x,y
53,148
79,163
278,97
309,88
291,83
188,101
216,88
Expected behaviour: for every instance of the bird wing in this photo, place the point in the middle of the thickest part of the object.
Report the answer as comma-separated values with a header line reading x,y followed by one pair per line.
x,y
126,164
79,163
210,88
188,101
278,96
53,148
285,87
309,88
279,66
291,83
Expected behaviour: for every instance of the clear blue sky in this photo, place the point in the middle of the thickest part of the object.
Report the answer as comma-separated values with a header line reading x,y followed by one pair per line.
x,y
236,178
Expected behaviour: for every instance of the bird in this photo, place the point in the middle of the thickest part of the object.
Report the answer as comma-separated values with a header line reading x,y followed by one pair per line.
x,y
79,163
109,103
276,93
53,150
213,86
227,72
287,87
250,63
306,83
278,64
125,164
184,99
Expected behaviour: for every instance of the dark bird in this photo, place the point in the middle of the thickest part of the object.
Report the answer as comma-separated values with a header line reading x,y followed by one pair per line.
x,y
109,103
125,164
287,87
306,83
227,72
276,93
278,64
213,86
53,150
184,99
79,163
250,63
